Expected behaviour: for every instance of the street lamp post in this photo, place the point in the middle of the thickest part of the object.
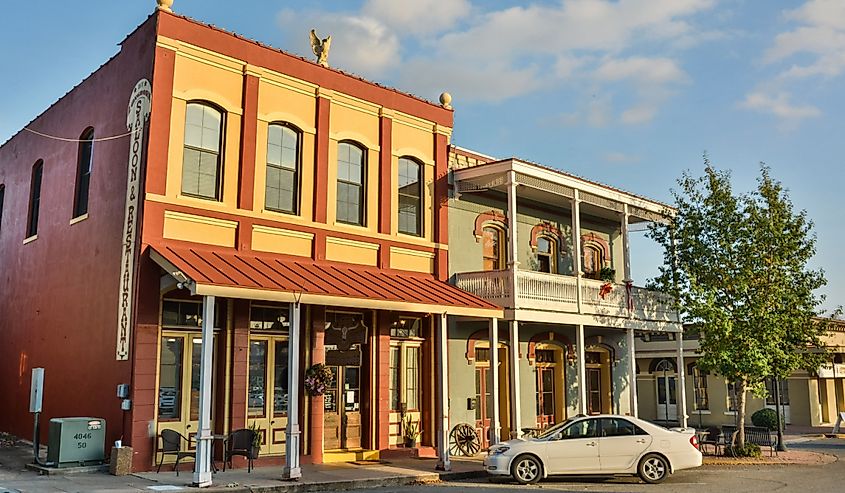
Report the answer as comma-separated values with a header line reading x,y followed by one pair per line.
x,y
781,446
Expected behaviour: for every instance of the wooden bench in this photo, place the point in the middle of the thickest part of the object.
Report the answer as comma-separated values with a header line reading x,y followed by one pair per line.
x,y
760,436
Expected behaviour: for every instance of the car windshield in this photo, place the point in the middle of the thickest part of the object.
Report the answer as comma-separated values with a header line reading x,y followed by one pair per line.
x,y
554,429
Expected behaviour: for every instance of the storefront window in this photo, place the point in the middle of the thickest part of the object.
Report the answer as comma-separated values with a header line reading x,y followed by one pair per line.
x,y
394,378
280,379
269,318
412,378
256,381
170,379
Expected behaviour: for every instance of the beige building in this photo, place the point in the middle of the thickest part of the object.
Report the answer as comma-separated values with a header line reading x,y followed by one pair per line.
x,y
808,398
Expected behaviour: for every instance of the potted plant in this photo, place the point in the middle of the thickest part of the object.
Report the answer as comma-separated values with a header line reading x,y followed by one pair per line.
x,y
318,378
607,275
255,449
410,431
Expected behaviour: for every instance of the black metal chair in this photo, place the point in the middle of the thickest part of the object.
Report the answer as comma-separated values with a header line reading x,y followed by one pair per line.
x,y
171,444
713,437
240,442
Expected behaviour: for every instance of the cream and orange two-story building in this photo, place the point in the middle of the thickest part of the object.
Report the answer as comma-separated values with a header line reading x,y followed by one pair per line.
x,y
250,214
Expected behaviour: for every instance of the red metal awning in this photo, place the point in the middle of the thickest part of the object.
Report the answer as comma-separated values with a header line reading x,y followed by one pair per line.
x,y
257,276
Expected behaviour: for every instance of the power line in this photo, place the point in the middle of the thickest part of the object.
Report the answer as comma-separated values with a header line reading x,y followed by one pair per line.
x,y
64,139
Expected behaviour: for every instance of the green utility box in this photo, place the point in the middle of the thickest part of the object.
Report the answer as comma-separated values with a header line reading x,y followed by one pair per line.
x,y
76,442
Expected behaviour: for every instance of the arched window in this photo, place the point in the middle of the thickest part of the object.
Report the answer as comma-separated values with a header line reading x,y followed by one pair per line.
x,y
201,163
281,192
84,162
351,183
547,254
34,199
593,259
2,196
493,241
699,385
410,197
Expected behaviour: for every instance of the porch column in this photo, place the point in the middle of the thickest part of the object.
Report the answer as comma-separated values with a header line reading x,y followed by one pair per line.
x,y
202,467
682,390
443,461
318,355
513,244
582,370
516,418
495,425
293,435
576,246
626,246
632,375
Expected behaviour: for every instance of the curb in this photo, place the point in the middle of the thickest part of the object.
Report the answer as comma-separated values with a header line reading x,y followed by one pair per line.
x,y
353,484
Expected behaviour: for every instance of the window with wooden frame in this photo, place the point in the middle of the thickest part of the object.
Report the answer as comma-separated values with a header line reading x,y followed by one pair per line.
x,y
732,397
186,314
699,385
405,361
410,197
84,164
770,392
202,164
546,253
593,258
493,248
351,183
2,197
281,190
34,199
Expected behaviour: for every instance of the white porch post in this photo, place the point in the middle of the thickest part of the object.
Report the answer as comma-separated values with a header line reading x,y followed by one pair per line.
x,y
682,385
632,375
202,467
582,370
626,246
292,442
443,461
576,246
516,418
495,423
513,244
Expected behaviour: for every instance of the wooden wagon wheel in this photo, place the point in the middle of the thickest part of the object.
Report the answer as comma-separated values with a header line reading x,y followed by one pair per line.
x,y
464,441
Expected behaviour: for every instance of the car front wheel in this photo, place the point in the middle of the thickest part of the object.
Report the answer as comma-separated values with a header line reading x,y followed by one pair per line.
x,y
653,469
526,469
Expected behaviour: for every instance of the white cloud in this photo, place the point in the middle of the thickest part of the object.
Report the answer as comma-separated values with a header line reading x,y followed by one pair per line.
x,y
360,44
490,55
779,105
417,17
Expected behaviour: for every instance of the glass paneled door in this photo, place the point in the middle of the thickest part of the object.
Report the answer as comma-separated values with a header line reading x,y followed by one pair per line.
x,y
667,401
342,409
179,382
267,391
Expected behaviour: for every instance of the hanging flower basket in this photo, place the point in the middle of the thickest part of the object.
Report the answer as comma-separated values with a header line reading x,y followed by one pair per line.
x,y
605,289
318,378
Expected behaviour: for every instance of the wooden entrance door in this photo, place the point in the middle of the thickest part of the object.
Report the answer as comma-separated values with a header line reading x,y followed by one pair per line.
x,y
483,402
267,391
546,396
342,408
180,358
594,391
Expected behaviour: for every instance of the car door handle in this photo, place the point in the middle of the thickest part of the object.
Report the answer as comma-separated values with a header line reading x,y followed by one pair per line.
x,y
591,444
641,440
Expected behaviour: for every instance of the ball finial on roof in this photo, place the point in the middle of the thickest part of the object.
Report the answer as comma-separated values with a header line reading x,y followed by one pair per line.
x,y
446,100
164,5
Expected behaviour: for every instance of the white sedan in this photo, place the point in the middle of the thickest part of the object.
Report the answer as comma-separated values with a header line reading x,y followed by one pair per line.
x,y
604,444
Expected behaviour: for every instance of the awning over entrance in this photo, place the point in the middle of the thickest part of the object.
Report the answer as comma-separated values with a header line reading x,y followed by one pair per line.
x,y
256,276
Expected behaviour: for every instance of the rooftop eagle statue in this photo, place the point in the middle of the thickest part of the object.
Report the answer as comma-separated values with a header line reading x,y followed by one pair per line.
x,y
321,48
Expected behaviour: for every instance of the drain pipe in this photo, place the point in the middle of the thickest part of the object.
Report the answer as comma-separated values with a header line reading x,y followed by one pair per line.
x,y
36,394
35,441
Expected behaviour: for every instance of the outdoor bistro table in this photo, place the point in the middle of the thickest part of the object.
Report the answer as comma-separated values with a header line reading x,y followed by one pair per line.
x,y
215,438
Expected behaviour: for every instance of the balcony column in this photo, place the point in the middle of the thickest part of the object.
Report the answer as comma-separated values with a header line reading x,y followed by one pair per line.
x,y
202,467
513,256
576,246
516,419
493,375
682,385
632,375
442,395
626,246
582,371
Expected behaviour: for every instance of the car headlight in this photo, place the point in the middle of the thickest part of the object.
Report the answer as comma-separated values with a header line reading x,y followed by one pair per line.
x,y
499,450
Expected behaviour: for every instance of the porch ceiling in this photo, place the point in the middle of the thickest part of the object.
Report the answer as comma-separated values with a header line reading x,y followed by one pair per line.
x,y
231,274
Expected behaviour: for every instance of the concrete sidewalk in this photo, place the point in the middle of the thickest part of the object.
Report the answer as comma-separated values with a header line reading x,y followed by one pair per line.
x,y
15,478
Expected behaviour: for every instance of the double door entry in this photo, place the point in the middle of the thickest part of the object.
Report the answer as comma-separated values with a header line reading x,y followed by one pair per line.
x,y
267,391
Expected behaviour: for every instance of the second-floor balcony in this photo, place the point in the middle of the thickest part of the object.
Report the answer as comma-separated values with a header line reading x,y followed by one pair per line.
x,y
559,293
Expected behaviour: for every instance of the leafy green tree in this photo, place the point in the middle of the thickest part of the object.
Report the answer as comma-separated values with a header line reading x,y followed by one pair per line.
x,y
737,267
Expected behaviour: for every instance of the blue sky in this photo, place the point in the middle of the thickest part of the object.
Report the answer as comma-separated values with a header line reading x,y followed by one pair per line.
x,y
629,92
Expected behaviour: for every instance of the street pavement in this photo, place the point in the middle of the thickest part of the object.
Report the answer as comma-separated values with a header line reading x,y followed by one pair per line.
x,y
828,478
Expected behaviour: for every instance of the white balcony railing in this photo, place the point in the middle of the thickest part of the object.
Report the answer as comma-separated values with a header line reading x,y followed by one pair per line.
x,y
558,293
